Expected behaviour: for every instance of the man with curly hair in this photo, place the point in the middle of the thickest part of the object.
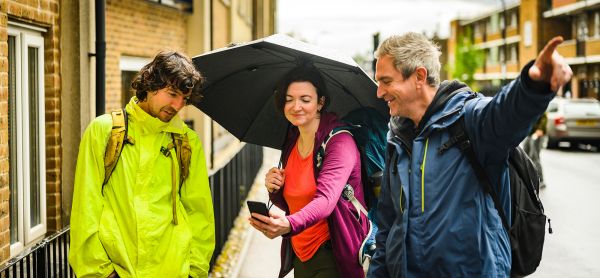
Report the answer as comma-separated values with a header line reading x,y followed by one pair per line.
x,y
145,220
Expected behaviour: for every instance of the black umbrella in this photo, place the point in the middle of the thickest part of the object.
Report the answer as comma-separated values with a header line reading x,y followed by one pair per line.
x,y
241,80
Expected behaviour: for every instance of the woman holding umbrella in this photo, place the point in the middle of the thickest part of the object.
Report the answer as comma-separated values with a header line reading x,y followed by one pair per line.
x,y
321,235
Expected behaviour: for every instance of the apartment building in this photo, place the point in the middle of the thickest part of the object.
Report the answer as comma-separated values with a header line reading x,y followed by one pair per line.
x,y
48,87
511,36
579,23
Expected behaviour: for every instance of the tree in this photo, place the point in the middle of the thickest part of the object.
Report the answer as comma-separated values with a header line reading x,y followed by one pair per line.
x,y
468,59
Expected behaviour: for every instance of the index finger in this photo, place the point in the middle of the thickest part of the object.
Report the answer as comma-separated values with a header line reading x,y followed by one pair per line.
x,y
550,47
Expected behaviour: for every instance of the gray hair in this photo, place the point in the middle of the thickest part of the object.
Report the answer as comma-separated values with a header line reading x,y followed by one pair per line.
x,y
410,51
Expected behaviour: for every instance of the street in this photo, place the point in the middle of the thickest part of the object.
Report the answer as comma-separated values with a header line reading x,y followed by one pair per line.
x,y
571,202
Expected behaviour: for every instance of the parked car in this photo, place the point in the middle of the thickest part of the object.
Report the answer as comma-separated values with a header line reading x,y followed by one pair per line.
x,y
574,121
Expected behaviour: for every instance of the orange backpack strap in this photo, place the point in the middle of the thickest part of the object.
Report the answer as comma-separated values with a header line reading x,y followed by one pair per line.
x,y
116,141
184,155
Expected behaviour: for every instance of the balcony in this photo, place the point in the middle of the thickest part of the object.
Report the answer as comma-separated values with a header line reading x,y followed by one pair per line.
x,y
512,31
494,36
592,47
496,68
562,3
568,49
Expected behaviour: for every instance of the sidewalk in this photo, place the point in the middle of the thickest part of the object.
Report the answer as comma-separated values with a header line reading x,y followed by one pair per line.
x,y
259,256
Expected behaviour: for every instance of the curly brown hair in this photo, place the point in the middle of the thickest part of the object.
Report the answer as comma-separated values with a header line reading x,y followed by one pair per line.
x,y
168,69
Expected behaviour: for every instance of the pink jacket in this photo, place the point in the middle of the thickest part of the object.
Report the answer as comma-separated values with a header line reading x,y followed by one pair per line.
x,y
341,166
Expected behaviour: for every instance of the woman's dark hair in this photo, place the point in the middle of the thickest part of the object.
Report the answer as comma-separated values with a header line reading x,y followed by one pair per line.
x,y
169,68
301,74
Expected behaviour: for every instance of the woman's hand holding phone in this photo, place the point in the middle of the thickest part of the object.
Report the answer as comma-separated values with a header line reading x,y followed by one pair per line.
x,y
271,226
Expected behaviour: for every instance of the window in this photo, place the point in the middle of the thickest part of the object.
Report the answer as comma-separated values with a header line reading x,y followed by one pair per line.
x,y
513,20
27,169
596,24
183,5
514,57
130,66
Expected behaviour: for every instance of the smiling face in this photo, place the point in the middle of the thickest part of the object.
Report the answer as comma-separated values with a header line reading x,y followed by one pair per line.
x,y
302,104
399,93
164,103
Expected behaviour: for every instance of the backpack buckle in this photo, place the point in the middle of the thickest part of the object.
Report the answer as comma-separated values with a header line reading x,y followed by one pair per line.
x,y
464,144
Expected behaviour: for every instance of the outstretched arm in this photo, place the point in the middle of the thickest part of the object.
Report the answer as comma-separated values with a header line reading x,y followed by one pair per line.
x,y
550,67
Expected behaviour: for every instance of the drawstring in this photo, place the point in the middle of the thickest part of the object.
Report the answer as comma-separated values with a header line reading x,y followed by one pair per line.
x,y
167,152
423,177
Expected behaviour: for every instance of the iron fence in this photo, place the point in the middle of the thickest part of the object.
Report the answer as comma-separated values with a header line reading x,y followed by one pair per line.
x,y
46,259
229,187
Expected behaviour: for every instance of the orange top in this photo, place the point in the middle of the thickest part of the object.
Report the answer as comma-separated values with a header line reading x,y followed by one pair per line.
x,y
300,188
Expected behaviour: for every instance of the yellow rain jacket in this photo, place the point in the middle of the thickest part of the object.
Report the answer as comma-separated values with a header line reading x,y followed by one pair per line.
x,y
128,228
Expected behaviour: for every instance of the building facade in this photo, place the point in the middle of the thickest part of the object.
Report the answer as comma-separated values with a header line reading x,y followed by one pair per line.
x,y
511,36
48,90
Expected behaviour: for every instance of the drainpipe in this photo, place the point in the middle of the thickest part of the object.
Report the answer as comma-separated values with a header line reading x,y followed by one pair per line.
x,y
100,57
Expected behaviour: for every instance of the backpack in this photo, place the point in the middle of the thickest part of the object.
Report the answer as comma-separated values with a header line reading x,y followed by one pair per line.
x,y
118,138
527,231
369,130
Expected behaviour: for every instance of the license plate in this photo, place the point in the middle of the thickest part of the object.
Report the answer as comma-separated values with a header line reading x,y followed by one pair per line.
x,y
586,122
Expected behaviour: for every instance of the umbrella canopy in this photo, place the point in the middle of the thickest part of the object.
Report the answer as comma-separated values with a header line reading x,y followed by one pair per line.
x,y
241,81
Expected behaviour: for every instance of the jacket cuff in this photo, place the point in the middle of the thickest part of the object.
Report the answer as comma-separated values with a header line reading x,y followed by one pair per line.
x,y
293,228
529,84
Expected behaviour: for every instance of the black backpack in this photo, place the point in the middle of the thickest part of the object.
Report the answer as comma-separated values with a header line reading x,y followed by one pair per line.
x,y
528,227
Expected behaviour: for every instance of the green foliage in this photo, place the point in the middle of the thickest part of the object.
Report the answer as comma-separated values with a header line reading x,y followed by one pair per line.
x,y
468,59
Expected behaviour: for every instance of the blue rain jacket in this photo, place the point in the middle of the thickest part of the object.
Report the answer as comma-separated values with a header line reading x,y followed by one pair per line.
x,y
434,218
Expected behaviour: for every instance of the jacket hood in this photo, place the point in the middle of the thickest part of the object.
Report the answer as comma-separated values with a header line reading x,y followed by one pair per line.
x,y
405,129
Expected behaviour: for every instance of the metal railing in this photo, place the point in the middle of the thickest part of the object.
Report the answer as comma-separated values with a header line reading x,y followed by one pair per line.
x,y
46,259
229,187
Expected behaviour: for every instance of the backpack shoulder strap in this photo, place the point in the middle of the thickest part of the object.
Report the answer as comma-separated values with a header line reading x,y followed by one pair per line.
x,y
348,192
184,155
116,141
333,132
460,139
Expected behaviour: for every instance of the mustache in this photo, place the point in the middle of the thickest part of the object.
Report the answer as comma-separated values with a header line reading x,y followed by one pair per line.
x,y
170,110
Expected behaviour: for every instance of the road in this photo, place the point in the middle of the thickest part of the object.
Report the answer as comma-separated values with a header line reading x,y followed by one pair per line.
x,y
572,201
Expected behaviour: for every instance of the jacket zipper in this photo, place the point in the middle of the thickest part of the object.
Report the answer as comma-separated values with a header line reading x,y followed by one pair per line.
x,y
395,170
423,176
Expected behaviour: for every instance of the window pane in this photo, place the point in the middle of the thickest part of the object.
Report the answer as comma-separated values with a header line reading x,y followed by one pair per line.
x,y
34,159
126,91
12,141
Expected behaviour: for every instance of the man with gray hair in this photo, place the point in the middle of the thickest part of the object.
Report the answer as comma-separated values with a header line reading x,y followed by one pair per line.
x,y
434,218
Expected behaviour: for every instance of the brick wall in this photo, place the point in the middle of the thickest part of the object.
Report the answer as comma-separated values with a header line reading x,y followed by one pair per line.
x,y
4,193
40,13
138,28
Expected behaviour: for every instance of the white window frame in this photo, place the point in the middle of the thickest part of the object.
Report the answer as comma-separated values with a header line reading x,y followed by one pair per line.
x,y
25,38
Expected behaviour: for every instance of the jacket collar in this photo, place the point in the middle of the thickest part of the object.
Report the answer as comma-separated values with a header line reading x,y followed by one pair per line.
x,y
149,124
444,103
327,122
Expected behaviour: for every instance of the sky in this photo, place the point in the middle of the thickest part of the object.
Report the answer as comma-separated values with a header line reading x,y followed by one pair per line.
x,y
348,25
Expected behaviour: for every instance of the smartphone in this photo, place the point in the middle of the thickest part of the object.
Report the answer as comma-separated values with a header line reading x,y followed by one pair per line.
x,y
258,207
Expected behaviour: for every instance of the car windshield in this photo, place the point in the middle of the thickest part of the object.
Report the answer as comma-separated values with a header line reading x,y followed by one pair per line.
x,y
582,108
